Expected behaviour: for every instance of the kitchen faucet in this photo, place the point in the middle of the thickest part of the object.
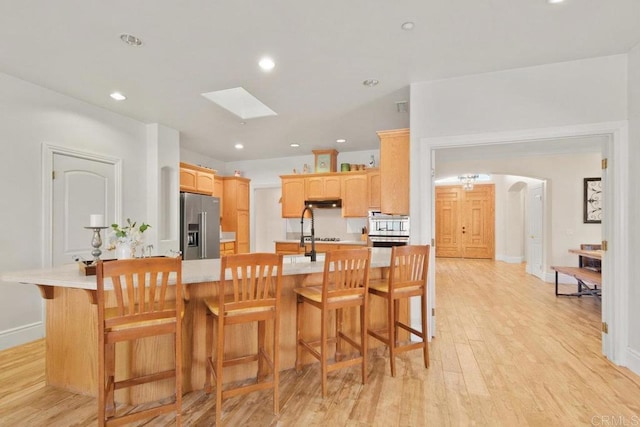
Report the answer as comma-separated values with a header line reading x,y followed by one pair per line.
x,y
312,254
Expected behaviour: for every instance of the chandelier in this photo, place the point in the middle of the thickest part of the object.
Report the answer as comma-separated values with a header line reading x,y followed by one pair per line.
x,y
467,181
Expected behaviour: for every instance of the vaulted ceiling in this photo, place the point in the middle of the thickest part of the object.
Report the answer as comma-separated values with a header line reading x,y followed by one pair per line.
x,y
323,51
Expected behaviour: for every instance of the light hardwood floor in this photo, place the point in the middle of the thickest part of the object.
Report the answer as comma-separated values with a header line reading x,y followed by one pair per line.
x,y
507,352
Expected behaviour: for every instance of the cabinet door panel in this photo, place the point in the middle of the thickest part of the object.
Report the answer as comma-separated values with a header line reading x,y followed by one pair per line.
x,y
394,171
292,197
354,195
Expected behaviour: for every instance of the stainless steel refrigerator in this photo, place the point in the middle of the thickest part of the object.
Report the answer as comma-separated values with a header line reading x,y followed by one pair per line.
x,y
199,226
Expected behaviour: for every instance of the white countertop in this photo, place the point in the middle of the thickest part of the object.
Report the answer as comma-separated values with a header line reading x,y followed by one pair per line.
x,y
193,271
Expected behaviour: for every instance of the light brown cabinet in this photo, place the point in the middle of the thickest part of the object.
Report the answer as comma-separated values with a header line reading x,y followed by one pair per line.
x,y
294,248
394,171
322,187
292,196
235,216
373,189
196,179
288,248
227,248
354,194
218,191
351,187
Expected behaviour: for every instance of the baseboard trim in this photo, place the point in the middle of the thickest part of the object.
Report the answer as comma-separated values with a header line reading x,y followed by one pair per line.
x,y
633,360
21,335
510,259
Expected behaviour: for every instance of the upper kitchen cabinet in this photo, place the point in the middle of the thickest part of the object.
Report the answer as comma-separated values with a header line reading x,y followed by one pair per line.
x,y
322,187
373,189
218,191
292,196
354,194
235,216
394,171
196,179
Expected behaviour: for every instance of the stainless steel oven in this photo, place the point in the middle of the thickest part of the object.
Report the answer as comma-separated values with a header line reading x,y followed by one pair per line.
x,y
388,230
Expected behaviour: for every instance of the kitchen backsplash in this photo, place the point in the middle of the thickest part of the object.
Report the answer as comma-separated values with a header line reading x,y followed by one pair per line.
x,y
328,223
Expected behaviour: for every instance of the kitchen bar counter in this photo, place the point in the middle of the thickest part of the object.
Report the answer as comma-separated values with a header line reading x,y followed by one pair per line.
x,y
71,325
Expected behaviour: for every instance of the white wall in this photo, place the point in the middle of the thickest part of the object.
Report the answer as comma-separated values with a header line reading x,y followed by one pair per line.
x,y
29,116
163,189
634,205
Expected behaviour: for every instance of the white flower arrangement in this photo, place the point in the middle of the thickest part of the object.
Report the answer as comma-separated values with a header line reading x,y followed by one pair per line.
x,y
129,234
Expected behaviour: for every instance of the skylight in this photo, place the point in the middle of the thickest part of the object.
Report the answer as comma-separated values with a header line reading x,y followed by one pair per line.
x,y
240,102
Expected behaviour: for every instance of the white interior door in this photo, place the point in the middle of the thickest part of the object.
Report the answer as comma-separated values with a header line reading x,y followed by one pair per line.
x,y
536,215
81,187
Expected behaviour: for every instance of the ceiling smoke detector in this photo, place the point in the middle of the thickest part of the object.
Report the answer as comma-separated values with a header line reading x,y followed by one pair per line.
x,y
130,39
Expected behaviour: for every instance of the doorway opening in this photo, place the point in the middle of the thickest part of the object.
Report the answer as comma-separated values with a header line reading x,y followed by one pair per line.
x,y
614,145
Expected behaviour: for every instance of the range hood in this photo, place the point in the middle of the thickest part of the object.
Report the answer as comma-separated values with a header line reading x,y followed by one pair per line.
x,y
324,204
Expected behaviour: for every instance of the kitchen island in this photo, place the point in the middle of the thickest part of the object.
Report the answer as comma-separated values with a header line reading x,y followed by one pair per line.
x,y
71,325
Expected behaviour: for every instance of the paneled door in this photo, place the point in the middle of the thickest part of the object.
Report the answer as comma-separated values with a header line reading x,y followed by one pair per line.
x,y
465,221
536,213
81,187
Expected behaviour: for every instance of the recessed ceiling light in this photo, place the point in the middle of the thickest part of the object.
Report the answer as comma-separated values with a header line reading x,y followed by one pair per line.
x,y
130,39
118,96
341,140
407,26
370,82
554,1
239,146
294,145
266,64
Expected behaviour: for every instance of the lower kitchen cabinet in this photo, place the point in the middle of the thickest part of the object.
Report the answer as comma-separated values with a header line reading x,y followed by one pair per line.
x,y
227,248
288,248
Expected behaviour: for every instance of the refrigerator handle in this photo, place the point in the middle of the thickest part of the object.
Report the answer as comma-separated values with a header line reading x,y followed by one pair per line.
x,y
203,225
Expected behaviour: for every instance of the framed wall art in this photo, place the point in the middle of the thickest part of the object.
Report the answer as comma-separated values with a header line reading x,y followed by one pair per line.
x,y
592,200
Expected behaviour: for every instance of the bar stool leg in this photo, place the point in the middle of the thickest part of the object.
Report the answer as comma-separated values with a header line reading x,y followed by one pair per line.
x,y
209,351
363,340
339,354
218,371
323,349
261,351
425,332
299,315
392,331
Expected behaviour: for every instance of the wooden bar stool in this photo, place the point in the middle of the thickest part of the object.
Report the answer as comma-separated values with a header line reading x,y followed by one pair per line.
x,y
345,282
407,278
249,292
145,306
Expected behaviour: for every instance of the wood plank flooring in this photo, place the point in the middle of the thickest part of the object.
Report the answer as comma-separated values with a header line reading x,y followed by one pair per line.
x,y
508,352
